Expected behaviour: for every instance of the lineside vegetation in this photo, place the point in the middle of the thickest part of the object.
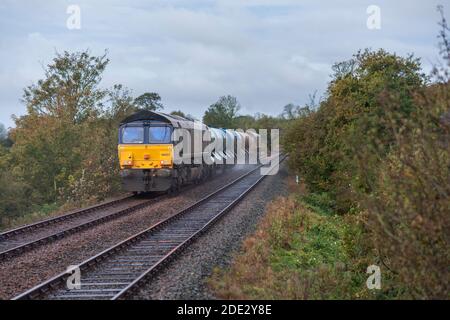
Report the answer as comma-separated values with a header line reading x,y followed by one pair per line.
x,y
374,159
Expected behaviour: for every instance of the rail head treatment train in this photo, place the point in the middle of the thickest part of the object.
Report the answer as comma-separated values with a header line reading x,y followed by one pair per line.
x,y
150,162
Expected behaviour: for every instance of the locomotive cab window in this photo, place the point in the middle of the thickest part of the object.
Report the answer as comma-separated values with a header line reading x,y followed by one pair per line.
x,y
159,134
133,135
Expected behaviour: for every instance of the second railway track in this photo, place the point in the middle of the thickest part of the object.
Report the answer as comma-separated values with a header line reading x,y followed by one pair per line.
x,y
117,271
16,241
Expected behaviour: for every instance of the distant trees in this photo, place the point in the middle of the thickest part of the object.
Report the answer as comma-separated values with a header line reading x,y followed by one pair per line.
x,y
290,111
4,135
178,113
150,101
222,113
244,122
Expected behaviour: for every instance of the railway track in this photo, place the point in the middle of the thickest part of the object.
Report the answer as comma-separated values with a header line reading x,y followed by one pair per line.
x,y
16,241
116,272
19,240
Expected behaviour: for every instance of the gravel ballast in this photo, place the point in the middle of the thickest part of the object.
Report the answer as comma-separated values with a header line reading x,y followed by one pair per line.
x,y
29,269
185,277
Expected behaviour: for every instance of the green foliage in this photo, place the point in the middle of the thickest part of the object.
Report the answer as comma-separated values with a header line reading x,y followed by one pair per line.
x,y
14,196
324,144
379,146
150,101
69,90
245,122
3,133
65,149
222,113
5,141
320,202
291,111
178,113
409,206
297,253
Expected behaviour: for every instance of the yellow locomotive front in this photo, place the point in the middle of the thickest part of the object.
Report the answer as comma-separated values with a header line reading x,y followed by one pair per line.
x,y
146,153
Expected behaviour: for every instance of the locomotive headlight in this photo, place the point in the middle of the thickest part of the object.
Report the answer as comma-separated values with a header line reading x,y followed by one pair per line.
x,y
164,161
128,162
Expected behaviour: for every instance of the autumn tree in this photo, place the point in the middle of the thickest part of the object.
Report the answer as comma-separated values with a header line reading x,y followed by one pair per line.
x,y
150,101
290,111
4,139
69,90
50,141
178,113
222,113
351,120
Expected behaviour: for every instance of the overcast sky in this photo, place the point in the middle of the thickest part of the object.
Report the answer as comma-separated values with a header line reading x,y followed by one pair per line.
x,y
267,53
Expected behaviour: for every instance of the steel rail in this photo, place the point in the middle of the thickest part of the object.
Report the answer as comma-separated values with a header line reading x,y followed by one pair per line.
x,y
129,263
18,247
23,246
75,213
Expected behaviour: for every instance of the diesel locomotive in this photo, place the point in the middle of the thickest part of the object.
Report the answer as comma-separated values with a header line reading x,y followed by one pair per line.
x,y
151,158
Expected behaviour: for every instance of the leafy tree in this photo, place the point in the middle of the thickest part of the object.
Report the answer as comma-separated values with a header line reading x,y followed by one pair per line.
x,y
290,111
353,122
120,103
222,114
4,139
178,113
3,133
98,173
245,122
150,101
69,89
52,140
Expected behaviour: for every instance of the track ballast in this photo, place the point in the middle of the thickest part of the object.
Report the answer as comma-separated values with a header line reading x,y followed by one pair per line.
x,y
116,272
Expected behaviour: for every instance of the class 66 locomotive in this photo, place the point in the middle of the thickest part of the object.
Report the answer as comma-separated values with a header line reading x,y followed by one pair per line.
x,y
151,159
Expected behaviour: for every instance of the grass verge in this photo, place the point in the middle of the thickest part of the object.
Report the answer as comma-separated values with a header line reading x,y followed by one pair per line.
x,y
300,251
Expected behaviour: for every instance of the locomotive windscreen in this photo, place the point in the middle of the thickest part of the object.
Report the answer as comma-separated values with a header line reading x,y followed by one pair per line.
x,y
133,135
159,134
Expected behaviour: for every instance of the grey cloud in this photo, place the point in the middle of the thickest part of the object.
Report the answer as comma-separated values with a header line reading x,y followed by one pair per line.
x,y
266,52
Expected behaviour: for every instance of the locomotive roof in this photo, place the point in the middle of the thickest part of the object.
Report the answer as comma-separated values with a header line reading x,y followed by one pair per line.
x,y
174,120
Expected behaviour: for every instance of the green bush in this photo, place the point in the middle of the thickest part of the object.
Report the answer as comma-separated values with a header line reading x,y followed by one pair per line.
x,y
379,147
325,144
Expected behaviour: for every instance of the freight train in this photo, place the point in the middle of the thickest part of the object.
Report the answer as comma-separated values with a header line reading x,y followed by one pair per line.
x,y
159,152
